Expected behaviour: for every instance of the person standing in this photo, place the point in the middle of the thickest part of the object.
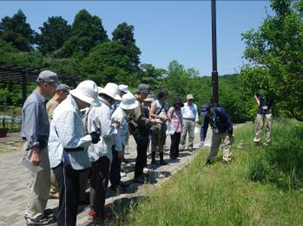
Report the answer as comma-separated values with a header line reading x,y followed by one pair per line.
x,y
264,117
35,132
67,148
222,128
100,154
175,116
139,125
190,118
127,104
61,93
158,111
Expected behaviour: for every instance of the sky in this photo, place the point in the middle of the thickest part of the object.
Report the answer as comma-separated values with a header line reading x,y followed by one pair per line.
x,y
164,30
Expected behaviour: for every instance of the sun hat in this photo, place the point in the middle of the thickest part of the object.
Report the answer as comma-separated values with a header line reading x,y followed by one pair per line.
x,y
149,98
123,88
204,109
129,102
177,100
143,88
49,77
63,87
111,90
189,97
87,91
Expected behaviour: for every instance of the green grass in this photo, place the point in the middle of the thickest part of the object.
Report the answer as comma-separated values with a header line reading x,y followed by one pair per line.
x,y
230,195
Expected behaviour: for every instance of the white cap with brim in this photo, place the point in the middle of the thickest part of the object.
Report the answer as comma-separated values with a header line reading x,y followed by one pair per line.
x,y
87,91
111,89
129,102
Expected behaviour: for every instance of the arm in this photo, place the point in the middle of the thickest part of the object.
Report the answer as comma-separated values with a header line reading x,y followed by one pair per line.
x,y
152,113
196,114
203,131
257,99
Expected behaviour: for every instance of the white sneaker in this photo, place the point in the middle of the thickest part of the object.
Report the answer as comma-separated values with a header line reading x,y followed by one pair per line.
x,y
122,174
145,170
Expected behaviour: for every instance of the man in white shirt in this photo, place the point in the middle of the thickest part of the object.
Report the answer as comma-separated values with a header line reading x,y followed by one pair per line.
x,y
67,144
190,118
100,154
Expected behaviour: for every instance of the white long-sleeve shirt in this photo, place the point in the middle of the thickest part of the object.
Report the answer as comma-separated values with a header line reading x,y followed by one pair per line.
x,y
190,112
66,131
100,118
121,139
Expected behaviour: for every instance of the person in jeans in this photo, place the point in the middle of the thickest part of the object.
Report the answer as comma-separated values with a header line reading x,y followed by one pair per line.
x,y
222,128
35,133
264,117
158,111
67,148
175,116
190,118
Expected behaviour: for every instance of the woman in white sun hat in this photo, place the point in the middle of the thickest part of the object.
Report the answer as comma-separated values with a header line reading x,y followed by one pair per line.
x,y
67,145
120,115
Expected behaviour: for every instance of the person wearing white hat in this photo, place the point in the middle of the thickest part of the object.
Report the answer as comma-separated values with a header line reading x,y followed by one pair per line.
x,y
67,148
120,115
100,154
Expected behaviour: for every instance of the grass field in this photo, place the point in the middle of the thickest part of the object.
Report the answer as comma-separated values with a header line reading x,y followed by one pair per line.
x,y
262,186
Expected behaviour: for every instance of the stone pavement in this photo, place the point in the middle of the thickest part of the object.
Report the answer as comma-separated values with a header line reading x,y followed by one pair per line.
x,y
14,182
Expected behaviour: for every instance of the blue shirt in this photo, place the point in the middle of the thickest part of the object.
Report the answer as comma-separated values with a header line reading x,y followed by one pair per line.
x,y
35,122
220,122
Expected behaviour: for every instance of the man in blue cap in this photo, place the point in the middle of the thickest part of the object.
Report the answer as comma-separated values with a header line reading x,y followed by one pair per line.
x,y
222,127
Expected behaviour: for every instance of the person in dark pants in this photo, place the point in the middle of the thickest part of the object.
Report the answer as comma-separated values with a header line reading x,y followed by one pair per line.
x,y
140,128
175,116
67,148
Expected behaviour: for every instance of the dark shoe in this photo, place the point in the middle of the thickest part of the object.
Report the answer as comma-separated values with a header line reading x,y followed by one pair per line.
x,y
163,163
153,162
139,180
173,157
124,185
42,221
257,144
209,162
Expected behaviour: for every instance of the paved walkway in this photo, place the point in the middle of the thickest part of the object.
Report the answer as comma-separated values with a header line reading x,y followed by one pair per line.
x,y
14,182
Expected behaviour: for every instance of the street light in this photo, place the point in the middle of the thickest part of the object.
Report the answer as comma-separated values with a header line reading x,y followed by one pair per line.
x,y
214,74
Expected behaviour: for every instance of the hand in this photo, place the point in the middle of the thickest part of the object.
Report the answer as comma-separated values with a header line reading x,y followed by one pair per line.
x,y
153,121
201,144
117,124
120,155
95,137
35,156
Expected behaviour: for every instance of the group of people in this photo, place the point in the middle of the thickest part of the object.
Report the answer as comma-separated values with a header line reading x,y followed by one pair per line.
x,y
81,134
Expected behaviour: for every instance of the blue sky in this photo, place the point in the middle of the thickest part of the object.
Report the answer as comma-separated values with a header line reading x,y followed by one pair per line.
x,y
164,30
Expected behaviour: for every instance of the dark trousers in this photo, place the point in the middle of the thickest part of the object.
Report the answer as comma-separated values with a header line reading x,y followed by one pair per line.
x,y
98,185
141,138
68,183
174,147
115,169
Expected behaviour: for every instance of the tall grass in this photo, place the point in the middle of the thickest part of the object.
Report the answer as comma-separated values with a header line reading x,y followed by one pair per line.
x,y
242,193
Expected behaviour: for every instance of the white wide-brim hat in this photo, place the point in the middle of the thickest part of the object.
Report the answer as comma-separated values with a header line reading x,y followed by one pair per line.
x,y
111,89
87,91
129,102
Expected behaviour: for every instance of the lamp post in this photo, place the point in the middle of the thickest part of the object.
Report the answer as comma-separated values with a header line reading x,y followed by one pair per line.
x,y
214,74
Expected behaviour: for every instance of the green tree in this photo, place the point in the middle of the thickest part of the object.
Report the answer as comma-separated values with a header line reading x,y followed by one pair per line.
x,y
87,31
276,48
54,33
151,75
16,31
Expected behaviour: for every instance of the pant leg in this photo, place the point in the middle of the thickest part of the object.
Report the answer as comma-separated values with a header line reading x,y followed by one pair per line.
x,y
162,137
142,143
99,182
259,126
215,144
183,134
174,147
268,125
54,186
68,182
227,142
191,134
39,188
83,185
115,177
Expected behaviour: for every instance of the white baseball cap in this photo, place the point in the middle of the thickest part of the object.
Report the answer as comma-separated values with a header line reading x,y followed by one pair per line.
x,y
87,91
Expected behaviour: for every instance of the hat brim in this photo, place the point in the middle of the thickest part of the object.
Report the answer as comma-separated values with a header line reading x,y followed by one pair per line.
x,y
129,106
84,98
115,97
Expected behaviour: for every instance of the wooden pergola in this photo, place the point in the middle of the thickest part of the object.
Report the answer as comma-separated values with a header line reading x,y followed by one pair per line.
x,y
22,76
